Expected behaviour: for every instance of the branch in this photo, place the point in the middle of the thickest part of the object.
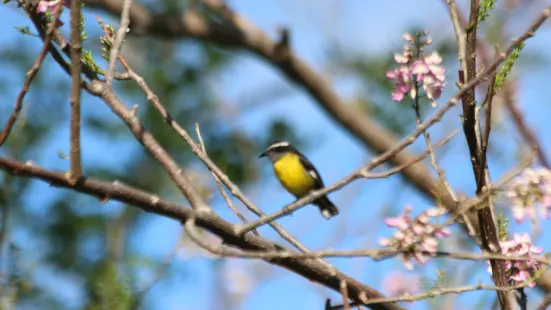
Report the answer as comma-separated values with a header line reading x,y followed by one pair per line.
x,y
545,281
459,34
344,293
440,292
525,131
196,149
471,128
128,116
31,75
220,186
242,34
545,303
362,172
309,269
376,254
119,40
75,171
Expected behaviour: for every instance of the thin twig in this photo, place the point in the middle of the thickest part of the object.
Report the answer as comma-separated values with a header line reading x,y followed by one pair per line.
x,y
75,170
478,201
220,186
486,216
313,270
196,149
434,163
362,172
467,87
546,302
488,123
440,292
129,117
159,272
459,34
524,129
31,75
375,254
192,232
119,40
344,293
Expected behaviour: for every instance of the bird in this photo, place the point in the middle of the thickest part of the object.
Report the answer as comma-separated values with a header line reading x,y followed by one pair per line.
x,y
297,174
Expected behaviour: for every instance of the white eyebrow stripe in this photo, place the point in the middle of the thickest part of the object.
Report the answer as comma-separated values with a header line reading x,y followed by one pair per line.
x,y
279,144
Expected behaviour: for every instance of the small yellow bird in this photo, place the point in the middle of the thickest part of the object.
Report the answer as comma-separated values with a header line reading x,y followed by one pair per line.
x,y
297,174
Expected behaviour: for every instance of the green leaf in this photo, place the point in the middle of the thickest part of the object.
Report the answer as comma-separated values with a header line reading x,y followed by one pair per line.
x,y
485,7
25,30
508,66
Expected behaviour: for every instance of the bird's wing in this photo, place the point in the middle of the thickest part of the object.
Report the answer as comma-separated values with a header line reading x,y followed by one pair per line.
x,y
312,171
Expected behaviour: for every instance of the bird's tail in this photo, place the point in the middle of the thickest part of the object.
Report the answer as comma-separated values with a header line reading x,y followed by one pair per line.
x,y
327,208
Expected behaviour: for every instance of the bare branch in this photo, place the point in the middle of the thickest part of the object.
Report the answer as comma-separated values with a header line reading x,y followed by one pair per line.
x,y
344,292
310,269
362,172
119,40
545,303
75,170
526,132
220,186
100,89
31,75
459,34
440,292
375,254
196,149
487,222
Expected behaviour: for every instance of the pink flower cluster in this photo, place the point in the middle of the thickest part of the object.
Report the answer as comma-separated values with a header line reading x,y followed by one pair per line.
x,y
424,70
45,6
520,270
416,237
527,191
397,283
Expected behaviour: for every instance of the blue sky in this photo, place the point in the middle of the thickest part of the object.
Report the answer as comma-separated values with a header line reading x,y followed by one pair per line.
x,y
368,28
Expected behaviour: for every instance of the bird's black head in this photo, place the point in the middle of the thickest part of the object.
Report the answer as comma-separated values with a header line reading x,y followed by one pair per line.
x,y
278,148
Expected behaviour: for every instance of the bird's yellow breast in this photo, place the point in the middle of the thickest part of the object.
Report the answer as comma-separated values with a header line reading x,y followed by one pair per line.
x,y
292,175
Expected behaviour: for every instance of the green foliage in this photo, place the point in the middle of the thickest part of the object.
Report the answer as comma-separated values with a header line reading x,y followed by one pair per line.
x,y
108,289
106,43
508,66
83,34
69,224
429,284
485,7
502,224
24,30
89,61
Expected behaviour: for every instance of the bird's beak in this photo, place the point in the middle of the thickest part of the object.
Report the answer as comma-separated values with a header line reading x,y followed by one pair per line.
x,y
263,154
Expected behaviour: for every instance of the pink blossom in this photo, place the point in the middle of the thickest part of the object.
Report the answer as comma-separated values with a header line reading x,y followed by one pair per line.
x,y
45,6
416,237
425,70
520,246
528,191
397,283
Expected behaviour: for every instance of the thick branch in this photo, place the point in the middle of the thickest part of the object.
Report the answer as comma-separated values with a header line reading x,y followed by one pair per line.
x,y
488,229
241,33
309,269
75,171
30,76
128,116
